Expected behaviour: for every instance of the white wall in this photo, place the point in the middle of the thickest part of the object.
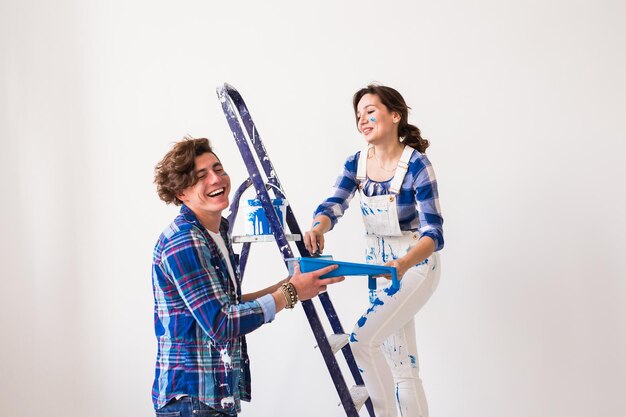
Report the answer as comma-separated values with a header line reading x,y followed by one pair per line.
x,y
523,103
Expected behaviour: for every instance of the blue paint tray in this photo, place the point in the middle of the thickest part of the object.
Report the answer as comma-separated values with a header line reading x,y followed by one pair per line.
x,y
345,269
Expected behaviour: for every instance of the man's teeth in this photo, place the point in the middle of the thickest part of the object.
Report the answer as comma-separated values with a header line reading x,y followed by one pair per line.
x,y
216,192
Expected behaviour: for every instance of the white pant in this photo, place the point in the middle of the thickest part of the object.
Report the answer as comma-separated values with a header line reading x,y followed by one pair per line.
x,y
387,329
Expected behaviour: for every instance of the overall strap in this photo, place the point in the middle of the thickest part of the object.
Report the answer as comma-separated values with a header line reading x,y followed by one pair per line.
x,y
361,167
401,169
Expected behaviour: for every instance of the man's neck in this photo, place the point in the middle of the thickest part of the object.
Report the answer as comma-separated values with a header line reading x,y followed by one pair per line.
x,y
211,221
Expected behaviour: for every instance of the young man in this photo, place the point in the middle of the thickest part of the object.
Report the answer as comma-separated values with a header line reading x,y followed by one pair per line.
x,y
201,316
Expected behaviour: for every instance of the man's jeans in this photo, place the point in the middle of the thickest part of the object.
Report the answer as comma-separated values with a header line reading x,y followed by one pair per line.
x,y
189,407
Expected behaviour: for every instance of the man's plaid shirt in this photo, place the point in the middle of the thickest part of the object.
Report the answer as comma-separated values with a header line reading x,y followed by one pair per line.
x,y
199,319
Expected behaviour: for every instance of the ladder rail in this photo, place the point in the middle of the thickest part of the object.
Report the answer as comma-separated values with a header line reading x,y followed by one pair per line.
x,y
270,172
335,324
256,179
237,113
266,163
254,174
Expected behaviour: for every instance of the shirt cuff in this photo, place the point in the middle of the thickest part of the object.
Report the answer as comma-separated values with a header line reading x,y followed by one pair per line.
x,y
268,305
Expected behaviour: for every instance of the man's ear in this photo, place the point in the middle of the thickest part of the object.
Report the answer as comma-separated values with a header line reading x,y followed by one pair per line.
x,y
181,196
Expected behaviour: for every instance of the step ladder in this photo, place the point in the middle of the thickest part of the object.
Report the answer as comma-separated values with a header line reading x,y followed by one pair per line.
x,y
237,114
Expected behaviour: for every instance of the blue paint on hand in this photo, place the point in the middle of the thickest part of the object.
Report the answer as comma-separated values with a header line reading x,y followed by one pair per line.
x,y
361,321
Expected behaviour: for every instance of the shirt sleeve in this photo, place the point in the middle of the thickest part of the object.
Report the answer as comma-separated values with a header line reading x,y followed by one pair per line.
x,y
346,185
268,305
187,261
427,202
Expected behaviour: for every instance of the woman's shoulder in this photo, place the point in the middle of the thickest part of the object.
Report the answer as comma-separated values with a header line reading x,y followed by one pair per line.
x,y
352,161
418,161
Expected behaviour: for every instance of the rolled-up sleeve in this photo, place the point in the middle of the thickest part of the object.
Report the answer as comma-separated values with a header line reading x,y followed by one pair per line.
x,y
268,305
427,203
342,193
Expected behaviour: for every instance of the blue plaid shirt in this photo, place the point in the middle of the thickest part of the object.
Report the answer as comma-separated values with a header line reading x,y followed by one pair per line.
x,y
199,319
418,199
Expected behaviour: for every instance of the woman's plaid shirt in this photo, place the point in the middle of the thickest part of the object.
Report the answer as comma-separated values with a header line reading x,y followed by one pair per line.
x,y
418,199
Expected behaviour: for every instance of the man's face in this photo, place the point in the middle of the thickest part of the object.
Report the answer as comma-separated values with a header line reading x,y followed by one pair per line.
x,y
210,194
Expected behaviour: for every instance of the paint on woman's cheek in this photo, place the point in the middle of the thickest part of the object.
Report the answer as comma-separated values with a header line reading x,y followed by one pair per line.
x,y
372,119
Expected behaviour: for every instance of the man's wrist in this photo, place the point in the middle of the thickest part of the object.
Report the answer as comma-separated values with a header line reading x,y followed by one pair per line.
x,y
290,294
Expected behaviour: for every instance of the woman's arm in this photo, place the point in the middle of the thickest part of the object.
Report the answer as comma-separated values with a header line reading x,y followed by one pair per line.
x,y
418,253
331,209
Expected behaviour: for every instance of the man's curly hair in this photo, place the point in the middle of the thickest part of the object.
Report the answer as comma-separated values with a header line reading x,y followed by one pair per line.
x,y
175,171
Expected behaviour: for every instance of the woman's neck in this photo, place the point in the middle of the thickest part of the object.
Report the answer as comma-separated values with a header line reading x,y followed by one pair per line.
x,y
389,151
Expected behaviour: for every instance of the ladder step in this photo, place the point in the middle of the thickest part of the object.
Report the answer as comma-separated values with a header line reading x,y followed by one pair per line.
x,y
263,238
337,341
359,396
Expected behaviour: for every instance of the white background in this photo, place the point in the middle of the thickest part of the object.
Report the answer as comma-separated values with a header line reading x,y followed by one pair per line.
x,y
524,103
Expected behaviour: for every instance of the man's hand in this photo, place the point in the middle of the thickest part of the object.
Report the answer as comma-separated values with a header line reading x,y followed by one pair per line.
x,y
309,284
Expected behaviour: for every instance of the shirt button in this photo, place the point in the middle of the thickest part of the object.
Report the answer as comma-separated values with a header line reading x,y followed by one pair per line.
x,y
391,199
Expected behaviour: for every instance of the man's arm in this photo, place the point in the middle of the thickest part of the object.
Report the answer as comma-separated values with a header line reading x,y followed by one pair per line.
x,y
186,261
307,286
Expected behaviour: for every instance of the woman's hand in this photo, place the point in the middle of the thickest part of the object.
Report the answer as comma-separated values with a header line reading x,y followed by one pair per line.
x,y
314,238
422,250
400,266
314,241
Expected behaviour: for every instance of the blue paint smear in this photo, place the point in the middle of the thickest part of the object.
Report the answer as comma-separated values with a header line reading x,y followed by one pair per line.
x,y
258,219
353,338
424,262
372,119
398,400
361,370
375,304
390,291
361,321
412,360
383,254
366,211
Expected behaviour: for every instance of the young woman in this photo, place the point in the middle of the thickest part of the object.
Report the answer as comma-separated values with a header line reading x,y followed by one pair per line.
x,y
403,225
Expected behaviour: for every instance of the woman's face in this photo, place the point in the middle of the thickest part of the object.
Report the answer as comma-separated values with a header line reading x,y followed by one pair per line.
x,y
375,122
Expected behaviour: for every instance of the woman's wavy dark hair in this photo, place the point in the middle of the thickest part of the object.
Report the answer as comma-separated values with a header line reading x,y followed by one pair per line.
x,y
394,102
175,171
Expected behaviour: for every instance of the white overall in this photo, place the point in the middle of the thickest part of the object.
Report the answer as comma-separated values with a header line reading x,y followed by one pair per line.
x,y
383,340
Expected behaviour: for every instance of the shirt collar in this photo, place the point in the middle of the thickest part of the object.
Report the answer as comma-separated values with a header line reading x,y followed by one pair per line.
x,y
190,217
